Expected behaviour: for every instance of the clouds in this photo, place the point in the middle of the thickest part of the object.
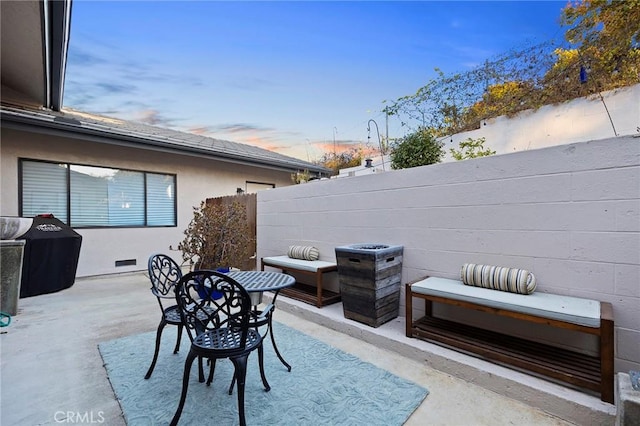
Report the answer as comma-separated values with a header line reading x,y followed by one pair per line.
x,y
153,118
241,128
84,58
280,75
264,137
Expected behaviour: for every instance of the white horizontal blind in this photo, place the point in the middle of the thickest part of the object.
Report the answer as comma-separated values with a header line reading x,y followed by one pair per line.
x,y
161,203
44,189
98,196
89,196
126,199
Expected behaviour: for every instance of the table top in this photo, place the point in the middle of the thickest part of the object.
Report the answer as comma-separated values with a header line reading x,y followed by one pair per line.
x,y
254,281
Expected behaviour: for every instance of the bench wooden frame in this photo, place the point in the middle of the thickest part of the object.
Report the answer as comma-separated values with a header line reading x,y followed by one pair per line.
x,y
317,295
586,371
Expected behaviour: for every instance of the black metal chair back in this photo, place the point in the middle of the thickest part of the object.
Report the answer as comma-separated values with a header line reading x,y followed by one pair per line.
x,y
216,311
210,300
164,274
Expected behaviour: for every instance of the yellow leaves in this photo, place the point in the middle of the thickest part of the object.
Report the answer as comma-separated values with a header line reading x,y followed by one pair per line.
x,y
566,57
350,157
501,91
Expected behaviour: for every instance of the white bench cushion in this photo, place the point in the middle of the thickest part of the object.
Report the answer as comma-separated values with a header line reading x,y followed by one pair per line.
x,y
303,265
574,310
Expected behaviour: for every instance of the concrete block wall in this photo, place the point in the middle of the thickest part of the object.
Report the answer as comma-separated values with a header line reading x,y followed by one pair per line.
x,y
570,214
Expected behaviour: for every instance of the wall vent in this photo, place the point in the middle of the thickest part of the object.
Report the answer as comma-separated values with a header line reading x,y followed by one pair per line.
x,y
127,262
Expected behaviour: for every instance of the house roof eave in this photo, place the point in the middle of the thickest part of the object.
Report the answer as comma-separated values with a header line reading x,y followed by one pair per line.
x,y
60,126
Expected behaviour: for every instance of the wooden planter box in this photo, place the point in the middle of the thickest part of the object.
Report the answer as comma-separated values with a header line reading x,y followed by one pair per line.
x,y
369,276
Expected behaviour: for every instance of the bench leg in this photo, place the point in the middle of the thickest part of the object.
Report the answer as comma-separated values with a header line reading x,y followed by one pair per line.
x,y
606,360
408,310
319,289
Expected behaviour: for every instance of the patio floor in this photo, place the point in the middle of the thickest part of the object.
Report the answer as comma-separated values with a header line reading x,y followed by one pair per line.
x,y
52,372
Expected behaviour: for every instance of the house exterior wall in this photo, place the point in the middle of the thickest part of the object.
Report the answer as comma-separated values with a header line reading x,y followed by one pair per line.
x,y
570,214
196,180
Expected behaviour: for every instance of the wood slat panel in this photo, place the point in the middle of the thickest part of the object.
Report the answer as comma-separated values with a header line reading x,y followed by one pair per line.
x,y
308,294
570,367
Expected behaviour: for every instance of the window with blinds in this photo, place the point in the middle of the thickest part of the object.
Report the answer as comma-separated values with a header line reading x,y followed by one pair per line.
x,y
88,196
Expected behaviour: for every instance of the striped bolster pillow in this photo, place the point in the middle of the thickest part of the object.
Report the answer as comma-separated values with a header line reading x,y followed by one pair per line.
x,y
498,278
303,252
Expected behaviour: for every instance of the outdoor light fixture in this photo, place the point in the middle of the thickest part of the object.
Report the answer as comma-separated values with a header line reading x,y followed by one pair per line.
x,y
368,164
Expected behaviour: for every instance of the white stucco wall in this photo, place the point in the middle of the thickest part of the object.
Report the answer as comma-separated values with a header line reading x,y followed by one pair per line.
x,y
570,214
197,179
581,119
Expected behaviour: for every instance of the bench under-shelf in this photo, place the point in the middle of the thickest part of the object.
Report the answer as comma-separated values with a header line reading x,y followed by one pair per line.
x,y
308,293
547,361
315,295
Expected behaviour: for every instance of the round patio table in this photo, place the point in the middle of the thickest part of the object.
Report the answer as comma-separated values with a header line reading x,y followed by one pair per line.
x,y
256,283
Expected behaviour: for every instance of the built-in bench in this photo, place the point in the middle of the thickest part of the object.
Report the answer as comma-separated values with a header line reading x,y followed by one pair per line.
x,y
317,295
594,372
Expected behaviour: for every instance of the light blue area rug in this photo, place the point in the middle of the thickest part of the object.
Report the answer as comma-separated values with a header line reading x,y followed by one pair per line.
x,y
326,386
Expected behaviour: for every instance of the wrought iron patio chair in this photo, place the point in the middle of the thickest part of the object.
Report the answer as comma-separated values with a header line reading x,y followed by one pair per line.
x,y
164,274
224,331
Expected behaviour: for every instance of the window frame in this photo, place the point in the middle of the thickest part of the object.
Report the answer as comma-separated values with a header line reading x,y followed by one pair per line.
x,y
68,194
254,182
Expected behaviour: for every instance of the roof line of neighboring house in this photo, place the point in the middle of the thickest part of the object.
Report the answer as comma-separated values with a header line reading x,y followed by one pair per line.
x,y
124,133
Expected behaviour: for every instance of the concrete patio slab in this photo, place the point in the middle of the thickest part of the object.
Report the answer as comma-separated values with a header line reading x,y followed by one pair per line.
x,y
51,370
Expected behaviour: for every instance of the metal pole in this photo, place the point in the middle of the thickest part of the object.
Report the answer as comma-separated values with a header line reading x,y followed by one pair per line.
x,y
335,130
386,119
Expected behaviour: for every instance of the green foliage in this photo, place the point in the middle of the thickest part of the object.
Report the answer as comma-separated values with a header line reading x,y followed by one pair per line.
x,y
218,236
336,161
605,44
471,148
417,149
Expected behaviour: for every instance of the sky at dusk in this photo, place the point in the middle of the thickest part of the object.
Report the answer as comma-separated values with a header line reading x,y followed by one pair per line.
x,y
299,78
